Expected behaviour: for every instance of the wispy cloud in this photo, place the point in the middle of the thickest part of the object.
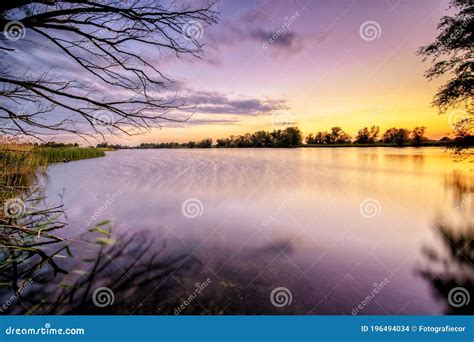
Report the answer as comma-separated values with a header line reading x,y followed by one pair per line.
x,y
250,27
214,102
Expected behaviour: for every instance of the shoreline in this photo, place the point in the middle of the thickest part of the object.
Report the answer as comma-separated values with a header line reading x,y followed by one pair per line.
x,y
286,147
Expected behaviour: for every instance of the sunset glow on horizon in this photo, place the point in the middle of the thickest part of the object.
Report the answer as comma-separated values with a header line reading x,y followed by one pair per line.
x,y
318,71
250,158
312,64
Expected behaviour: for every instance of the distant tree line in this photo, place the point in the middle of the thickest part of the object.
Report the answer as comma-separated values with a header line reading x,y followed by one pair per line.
x,y
370,136
288,137
205,143
292,137
56,144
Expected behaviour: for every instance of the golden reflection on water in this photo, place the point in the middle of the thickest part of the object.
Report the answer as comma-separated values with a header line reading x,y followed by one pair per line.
x,y
289,217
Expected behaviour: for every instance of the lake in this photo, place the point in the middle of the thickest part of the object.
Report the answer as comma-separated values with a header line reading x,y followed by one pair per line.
x,y
272,231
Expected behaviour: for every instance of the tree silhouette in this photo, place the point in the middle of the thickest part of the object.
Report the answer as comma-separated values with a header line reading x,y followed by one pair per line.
x,y
366,136
122,89
397,136
452,53
451,268
335,136
418,135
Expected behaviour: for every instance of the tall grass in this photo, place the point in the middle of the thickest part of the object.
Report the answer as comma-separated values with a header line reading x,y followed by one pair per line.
x,y
17,167
19,162
26,225
57,154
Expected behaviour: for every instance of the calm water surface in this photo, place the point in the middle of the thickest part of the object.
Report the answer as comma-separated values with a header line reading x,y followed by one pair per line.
x,y
328,224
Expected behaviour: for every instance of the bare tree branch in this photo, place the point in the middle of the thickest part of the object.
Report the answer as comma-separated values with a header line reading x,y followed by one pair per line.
x,y
121,88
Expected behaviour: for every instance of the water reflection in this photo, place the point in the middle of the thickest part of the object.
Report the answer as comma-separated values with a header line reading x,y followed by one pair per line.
x,y
125,264
270,218
143,281
450,269
449,261
460,183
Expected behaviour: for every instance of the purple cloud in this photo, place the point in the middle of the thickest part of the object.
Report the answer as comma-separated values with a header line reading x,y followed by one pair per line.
x,y
217,103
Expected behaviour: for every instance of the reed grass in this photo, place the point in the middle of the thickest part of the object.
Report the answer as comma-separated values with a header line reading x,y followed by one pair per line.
x,y
19,162
57,154
27,224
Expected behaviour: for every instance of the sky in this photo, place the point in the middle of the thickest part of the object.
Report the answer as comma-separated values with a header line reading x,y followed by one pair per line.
x,y
320,70
309,63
